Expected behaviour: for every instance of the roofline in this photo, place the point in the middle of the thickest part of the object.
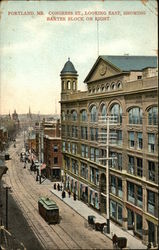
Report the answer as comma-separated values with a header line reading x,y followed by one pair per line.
x,y
100,57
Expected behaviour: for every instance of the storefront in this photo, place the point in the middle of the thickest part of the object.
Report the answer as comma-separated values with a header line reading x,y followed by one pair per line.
x,y
94,198
83,192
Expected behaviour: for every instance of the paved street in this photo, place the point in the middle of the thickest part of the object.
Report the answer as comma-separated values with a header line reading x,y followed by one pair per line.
x,y
72,232
84,210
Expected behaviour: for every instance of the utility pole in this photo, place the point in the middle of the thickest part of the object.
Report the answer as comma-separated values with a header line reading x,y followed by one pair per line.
x,y
7,208
105,141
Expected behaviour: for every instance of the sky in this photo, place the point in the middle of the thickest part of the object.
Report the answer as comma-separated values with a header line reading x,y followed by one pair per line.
x,y
34,48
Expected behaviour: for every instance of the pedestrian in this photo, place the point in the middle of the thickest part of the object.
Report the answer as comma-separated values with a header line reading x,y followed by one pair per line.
x,y
69,193
61,187
115,241
55,186
58,187
63,194
74,196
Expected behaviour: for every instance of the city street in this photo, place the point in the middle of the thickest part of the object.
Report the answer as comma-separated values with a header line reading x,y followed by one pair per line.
x,y
71,233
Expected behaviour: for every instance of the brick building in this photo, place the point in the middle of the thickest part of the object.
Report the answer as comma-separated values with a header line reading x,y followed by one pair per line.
x,y
124,87
48,136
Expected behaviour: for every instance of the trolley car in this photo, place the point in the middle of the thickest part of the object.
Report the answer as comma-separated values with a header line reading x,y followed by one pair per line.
x,y
49,210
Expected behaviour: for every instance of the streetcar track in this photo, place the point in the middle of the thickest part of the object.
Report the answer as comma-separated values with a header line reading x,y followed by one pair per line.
x,y
33,203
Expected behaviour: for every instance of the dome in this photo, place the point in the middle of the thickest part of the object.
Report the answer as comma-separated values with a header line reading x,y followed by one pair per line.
x,y
68,68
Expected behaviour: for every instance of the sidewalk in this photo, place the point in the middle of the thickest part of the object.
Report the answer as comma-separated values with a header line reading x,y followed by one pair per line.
x,y
84,211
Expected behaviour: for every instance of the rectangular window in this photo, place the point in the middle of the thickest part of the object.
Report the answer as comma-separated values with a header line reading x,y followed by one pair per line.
x,y
113,161
131,139
74,148
151,143
131,165
69,147
151,171
55,148
97,155
120,217
139,223
139,140
139,167
93,134
84,134
92,175
74,167
151,202
68,130
55,160
120,191
130,191
84,170
113,184
83,150
119,137
119,156
113,209
97,177
139,196
92,154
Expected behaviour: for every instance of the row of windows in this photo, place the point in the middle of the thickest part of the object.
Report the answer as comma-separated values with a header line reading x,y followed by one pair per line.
x,y
135,196
135,139
134,164
134,192
72,165
69,85
135,114
107,87
116,214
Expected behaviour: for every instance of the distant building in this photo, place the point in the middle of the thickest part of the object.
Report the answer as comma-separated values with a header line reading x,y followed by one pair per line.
x,y
16,120
124,87
31,142
3,138
48,150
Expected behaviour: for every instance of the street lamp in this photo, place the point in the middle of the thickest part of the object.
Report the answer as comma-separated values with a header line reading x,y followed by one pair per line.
x,y
105,140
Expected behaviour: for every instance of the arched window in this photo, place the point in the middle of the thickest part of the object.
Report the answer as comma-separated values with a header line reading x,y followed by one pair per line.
x,y
74,85
119,85
84,116
90,90
68,85
63,118
135,116
102,89
103,111
74,116
113,85
63,85
108,87
116,111
93,114
153,116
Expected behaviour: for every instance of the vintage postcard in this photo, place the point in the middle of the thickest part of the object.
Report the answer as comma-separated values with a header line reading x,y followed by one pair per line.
x,y
78,124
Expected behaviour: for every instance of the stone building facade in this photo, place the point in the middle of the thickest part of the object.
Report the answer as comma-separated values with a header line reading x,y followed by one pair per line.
x,y
124,87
